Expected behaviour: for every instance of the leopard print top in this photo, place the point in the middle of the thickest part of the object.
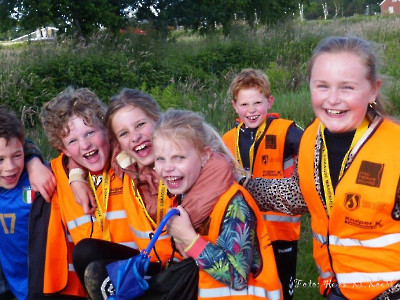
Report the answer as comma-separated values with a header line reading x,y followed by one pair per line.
x,y
284,195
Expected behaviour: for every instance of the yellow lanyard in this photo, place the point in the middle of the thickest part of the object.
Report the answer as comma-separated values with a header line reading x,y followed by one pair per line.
x,y
162,195
326,176
101,210
259,134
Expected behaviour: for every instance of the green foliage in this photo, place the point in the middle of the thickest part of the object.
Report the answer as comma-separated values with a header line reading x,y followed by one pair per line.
x,y
190,71
75,17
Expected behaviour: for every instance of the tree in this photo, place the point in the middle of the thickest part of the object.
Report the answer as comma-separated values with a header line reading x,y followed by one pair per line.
x,y
325,9
203,15
270,12
8,15
160,13
208,15
72,16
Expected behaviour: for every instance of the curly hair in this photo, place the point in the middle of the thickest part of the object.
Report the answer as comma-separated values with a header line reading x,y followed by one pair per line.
x,y
250,78
10,125
57,113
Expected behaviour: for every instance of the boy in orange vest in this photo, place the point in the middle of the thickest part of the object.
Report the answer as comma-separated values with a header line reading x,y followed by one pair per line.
x,y
266,146
73,122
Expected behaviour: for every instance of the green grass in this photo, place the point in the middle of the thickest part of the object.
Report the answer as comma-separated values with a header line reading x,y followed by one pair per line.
x,y
307,276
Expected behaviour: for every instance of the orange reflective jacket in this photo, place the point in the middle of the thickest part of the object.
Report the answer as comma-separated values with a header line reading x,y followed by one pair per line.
x,y
359,243
68,225
263,285
269,163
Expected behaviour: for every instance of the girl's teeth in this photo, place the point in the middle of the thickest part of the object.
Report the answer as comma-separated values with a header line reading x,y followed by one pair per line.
x,y
334,112
140,147
172,178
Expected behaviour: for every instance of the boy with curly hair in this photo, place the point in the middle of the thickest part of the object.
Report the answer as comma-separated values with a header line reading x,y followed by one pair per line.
x,y
73,122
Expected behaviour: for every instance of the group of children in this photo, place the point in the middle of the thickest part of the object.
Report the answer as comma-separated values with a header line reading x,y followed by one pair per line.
x,y
125,189
121,168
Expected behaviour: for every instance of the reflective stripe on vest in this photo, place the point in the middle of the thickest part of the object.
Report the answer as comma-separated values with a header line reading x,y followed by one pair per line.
x,y
112,215
69,238
288,163
147,234
71,268
115,215
382,241
320,238
78,222
358,277
324,275
132,245
280,218
250,290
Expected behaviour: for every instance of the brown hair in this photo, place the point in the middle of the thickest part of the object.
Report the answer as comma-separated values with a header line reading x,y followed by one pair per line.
x,y
10,125
250,78
135,98
362,49
56,113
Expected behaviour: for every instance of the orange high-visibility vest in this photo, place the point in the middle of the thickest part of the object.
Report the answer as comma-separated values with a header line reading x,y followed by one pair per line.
x,y
359,243
142,228
269,163
263,285
68,225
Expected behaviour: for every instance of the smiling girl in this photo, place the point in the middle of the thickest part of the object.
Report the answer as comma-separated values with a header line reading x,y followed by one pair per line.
x,y
347,176
234,254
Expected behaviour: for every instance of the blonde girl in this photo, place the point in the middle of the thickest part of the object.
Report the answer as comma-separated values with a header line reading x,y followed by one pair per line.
x,y
234,254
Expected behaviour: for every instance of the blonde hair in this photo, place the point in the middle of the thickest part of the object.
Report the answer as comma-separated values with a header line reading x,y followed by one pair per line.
x,y
250,78
134,98
190,126
364,50
57,113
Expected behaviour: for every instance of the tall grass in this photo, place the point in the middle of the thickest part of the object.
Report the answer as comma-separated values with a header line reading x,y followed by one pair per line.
x,y
193,72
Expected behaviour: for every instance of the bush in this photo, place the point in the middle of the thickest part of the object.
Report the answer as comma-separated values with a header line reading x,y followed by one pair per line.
x,y
189,70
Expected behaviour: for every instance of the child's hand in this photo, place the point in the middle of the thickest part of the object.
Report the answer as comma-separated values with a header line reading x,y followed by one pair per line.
x,y
84,196
181,228
41,178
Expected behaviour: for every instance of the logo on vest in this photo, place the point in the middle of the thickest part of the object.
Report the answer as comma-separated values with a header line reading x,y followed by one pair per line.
x,y
116,191
271,173
352,201
270,141
370,174
264,159
363,224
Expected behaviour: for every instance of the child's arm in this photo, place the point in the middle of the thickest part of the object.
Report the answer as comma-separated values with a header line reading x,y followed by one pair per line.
x,y
239,229
80,188
41,178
